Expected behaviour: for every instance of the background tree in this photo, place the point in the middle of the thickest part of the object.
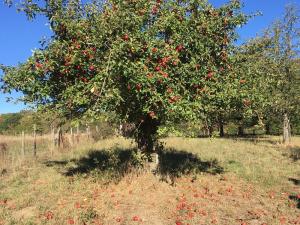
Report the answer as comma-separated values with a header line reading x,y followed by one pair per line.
x,y
9,121
285,34
255,70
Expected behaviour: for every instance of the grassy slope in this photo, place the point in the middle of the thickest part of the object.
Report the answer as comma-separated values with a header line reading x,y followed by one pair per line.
x,y
255,187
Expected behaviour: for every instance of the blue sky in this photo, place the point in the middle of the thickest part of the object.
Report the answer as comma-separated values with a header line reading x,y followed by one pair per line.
x,y
19,36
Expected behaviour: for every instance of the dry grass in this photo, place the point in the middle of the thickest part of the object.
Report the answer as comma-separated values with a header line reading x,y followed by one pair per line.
x,y
263,161
255,188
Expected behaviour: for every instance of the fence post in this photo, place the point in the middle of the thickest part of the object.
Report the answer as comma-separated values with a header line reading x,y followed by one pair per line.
x,y
72,136
53,140
58,137
23,144
34,139
77,133
88,132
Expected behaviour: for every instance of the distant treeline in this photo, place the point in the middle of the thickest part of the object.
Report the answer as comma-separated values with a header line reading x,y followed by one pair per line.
x,y
15,123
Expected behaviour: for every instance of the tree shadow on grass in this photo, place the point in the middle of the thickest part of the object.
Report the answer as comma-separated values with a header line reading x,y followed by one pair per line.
x,y
174,164
51,163
119,161
114,164
295,198
294,153
295,181
111,165
255,139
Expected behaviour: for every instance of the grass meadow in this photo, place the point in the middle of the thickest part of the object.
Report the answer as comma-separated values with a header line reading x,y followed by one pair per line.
x,y
253,180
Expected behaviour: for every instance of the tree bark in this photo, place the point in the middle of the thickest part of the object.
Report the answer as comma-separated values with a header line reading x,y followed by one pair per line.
x,y
221,128
241,130
268,128
286,129
210,130
146,135
146,138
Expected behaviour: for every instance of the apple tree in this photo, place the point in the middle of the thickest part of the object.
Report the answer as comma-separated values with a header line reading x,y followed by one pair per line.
x,y
285,34
149,62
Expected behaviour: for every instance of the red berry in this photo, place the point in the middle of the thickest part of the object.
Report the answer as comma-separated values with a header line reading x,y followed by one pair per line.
x,y
92,68
49,215
154,50
77,205
84,79
154,9
179,48
135,218
210,75
165,75
71,221
169,90
152,114
38,65
247,103
138,87
149,75
126,37
282,220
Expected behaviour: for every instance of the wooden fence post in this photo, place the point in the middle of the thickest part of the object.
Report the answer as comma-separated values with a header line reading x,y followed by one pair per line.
x,y
89,129
77,133
59,137
34,140
88,132
72,136
23,144
53,140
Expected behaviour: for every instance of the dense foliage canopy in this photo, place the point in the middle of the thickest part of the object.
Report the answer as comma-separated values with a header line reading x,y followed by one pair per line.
x,y
145,60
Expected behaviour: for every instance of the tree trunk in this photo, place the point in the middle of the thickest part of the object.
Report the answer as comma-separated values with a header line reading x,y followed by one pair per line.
x,y
240,130
286,129
221,128
146,135
268,128
146,138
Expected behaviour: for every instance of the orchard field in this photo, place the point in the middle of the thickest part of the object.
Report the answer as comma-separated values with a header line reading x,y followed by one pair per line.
x,y
153,112
230,181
